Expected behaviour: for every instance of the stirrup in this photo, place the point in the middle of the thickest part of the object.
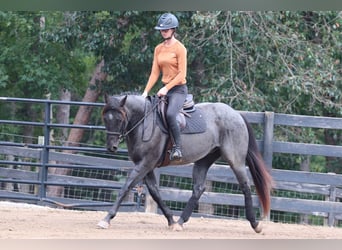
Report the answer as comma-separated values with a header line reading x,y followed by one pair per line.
x,y
176,154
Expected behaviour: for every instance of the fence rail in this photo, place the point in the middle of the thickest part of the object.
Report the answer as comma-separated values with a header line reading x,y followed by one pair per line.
x,y
46,156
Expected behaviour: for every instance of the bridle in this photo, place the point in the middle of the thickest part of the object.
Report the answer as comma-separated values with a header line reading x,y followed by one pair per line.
x,y
122,135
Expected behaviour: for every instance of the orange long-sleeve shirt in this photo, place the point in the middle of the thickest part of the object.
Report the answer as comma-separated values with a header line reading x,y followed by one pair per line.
x,y
171,61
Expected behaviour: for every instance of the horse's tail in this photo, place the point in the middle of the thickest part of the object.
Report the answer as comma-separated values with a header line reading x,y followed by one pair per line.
x,y
261,177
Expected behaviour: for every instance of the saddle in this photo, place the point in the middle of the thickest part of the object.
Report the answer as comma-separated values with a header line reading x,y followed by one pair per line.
x,y
190,119
187,108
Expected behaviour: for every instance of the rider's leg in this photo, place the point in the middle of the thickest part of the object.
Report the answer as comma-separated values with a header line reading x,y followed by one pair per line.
x,y
176,98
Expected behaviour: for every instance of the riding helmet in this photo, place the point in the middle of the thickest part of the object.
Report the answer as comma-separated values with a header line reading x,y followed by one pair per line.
x,y
167,21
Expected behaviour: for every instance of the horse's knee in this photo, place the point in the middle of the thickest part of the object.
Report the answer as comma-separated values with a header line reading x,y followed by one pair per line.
x,y
198,191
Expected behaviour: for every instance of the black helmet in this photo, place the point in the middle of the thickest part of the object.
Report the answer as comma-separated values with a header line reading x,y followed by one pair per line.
x,y
167,21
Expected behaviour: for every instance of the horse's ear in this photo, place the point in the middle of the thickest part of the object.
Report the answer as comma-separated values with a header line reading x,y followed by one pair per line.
x,y
123,101
106,97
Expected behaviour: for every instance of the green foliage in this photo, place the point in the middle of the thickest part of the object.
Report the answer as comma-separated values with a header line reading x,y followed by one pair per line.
x,y
32,65
286,62
278,61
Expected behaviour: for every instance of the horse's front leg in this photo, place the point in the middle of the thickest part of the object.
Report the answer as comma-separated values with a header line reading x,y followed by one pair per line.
x,y
134,178
151,183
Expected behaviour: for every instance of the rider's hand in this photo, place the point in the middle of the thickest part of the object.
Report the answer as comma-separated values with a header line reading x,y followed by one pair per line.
x,y
144,94
162,92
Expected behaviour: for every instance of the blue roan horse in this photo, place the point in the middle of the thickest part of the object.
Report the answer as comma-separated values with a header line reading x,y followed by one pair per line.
x,y
227,136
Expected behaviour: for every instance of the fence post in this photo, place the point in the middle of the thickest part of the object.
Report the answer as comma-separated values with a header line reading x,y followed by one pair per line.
x,y
45,151
268,138
332,197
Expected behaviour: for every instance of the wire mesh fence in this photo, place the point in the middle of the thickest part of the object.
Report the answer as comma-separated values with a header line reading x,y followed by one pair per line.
x,y
108,194
238,212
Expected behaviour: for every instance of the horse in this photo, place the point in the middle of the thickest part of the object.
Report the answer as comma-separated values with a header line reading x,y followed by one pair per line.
x,y
227,136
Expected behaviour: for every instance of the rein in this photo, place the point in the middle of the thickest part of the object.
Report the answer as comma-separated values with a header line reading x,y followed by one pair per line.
x,y
123,135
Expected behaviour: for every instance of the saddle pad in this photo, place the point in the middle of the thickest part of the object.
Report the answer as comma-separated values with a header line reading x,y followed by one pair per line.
x,y
195,124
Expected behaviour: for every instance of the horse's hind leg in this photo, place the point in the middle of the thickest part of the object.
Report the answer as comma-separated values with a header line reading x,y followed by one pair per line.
x,y
241,175
151,183
199,174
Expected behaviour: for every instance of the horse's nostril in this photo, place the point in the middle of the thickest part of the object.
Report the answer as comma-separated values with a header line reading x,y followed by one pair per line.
x,y
112,149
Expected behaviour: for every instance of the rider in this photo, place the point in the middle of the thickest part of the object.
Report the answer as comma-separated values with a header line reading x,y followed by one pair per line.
x,y
170,59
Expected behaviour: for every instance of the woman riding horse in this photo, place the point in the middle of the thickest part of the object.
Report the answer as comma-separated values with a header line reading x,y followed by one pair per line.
x,y
170,59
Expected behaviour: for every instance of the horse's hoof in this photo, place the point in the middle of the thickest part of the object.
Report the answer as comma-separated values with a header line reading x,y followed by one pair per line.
x,y
103,224
176,227
258,228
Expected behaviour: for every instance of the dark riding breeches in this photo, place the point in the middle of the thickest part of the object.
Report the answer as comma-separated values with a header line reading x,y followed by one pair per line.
x,y
176,98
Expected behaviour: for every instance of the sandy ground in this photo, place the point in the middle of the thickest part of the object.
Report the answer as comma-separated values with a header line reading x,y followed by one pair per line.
x,y
25,221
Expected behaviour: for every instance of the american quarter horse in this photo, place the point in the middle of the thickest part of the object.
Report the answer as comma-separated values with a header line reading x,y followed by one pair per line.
x,y
228,136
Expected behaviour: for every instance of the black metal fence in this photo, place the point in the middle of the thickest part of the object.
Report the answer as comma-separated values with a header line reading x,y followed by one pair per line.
x,y
95,176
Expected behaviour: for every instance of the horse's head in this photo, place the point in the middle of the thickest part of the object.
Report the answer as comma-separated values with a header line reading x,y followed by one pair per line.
x,y
115,119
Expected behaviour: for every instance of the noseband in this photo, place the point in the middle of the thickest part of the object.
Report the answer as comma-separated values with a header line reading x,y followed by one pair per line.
x,y
121,136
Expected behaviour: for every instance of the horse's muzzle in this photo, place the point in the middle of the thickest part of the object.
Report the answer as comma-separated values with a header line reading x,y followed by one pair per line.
x,y
112,148
112,143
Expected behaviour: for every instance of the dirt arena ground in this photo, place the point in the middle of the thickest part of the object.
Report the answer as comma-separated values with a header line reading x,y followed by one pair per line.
x,y
24,221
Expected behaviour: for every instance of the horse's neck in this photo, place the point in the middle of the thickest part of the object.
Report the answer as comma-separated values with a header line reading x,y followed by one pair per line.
x,y
135,107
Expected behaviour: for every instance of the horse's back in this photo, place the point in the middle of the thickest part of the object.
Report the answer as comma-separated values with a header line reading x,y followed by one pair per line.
x,y
220,113
225,123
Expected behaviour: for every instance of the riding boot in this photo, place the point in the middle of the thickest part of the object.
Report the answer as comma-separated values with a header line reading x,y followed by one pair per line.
x,y
176,152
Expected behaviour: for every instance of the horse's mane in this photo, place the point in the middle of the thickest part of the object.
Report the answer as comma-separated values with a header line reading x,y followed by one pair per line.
x,y
131,93
125,93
